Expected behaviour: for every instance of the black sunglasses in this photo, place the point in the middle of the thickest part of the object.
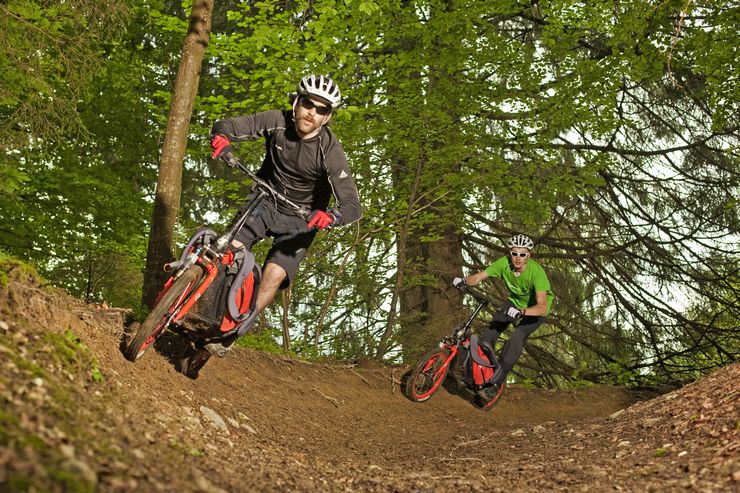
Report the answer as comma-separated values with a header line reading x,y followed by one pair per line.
x,y
514,254
320,110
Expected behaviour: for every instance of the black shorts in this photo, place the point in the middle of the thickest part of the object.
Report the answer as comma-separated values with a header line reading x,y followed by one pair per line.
x,y
291,236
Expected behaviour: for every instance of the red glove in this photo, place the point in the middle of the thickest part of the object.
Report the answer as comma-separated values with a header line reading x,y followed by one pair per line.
x,y
322,219
221,146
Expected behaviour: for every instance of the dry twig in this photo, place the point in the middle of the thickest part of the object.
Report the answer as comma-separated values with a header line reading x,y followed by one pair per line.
x,y
334,401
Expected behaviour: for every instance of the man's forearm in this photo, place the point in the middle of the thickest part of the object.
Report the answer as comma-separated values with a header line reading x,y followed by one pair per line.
x,y
474,279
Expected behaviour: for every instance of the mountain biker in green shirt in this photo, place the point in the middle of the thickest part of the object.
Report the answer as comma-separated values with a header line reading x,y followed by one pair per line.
x,y
529,301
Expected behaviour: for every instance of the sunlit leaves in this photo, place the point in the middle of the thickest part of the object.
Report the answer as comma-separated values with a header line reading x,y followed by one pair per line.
x,y
604,129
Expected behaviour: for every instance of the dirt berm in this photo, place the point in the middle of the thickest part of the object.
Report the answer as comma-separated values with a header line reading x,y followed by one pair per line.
x,y
75,416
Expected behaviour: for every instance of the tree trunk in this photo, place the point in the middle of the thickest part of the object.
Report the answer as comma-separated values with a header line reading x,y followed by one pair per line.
x,y
169,182
429,312
429,306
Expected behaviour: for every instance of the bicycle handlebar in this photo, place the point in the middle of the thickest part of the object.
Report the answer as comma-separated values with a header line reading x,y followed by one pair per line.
x,y
234,162
477,295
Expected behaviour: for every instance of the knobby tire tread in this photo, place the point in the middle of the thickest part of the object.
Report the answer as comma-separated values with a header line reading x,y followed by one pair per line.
x,y
152,327
193,362
487,406
425,379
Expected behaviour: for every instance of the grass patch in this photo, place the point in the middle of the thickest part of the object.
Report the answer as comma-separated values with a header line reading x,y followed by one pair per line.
x,y
17,482
7,421
264,341
70,481
17,268
74,355
185,449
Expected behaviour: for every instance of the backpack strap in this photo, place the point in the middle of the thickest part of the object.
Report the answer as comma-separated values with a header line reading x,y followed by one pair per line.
x,y
486,348
247,323
245,269
204,235
251,316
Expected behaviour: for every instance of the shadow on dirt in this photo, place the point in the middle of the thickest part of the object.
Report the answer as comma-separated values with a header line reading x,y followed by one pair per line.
x,y
459,389
170,345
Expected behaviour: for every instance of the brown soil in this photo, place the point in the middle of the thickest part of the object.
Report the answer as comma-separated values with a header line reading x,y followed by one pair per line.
x,y
76,416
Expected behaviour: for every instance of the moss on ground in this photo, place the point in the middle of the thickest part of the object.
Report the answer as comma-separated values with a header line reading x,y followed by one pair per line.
x,y
11,267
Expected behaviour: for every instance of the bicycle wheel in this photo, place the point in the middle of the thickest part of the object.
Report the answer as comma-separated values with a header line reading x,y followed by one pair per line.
x,y
161,314
193,361
428,375
487,405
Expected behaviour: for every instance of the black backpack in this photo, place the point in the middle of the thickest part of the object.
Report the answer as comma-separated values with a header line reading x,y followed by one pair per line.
x,y
229,304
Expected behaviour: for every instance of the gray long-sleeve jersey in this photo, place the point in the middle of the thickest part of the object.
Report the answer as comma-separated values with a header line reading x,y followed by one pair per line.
x,y
308,171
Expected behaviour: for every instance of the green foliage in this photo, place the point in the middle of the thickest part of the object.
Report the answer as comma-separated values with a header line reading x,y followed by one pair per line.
x,y
263,341
76,204
77,239
621,374
595,127
96,375
528,384
577,384
50,52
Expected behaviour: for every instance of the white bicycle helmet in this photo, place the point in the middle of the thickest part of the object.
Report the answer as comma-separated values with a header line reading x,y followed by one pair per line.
x,y
520,241
320,86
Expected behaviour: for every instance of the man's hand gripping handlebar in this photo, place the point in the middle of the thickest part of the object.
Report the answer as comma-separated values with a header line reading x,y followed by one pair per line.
x,y
460,284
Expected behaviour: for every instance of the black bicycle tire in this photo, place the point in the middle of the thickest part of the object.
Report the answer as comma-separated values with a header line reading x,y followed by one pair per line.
x,y
422,369
488,405
194,361
155,323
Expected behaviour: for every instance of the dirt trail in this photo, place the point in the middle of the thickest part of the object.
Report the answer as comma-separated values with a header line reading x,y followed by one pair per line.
x,y
76,416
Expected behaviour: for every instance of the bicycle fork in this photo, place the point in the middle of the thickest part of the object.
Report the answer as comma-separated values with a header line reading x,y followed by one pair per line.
x,y
445,366
211,272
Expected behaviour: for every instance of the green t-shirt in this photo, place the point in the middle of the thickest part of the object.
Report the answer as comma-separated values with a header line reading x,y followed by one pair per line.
x,y
523,289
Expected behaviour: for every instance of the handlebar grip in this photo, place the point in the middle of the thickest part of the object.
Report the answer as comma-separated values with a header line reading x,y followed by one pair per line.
x,y
230,160
173,265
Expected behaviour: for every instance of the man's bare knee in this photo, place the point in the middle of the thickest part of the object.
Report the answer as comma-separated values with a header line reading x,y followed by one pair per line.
x,y
274,274
272,277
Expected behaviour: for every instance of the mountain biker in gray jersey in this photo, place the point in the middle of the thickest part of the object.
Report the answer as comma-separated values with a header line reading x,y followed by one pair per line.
x,y
306,163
